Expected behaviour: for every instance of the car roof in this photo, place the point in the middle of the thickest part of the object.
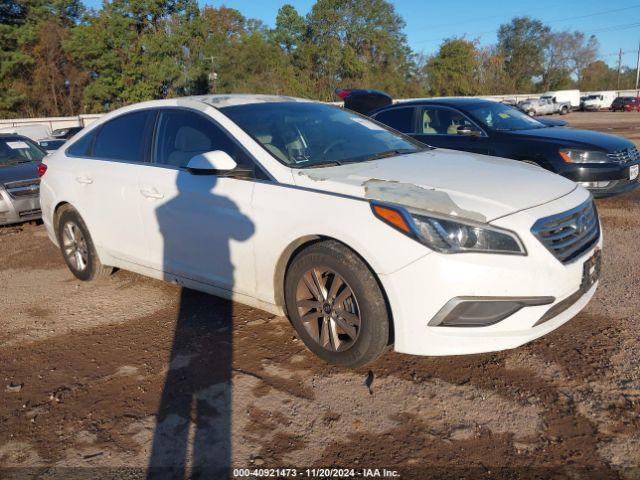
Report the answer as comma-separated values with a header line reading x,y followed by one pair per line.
x,y
459,102
13,136
228,100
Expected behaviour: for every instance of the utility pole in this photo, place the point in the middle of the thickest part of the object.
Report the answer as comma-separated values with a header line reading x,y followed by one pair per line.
x,y
638,71
619,67
213,76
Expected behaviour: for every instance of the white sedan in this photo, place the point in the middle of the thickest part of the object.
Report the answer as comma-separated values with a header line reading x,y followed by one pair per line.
x,y
362,236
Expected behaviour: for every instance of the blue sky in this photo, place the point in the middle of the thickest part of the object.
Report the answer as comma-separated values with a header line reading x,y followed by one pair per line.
x,y
615,22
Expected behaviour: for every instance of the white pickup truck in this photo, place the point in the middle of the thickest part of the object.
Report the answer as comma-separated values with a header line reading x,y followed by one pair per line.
x,y
544,106
560,101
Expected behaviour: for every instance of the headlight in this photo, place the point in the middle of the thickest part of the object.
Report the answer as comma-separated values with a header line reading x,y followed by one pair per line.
x,y
573,155
447,235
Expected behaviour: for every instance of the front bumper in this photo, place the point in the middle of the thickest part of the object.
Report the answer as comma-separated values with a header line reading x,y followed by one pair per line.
x,y
617,175
17,210
418,292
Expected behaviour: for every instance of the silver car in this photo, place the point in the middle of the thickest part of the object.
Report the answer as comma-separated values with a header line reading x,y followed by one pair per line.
x,y
19,183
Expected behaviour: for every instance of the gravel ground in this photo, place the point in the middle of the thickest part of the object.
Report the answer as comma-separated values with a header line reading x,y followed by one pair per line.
x,y
100,380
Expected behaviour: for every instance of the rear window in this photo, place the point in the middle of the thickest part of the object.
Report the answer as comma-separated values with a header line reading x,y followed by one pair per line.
x,y
82,147
124,138
400,119
15,150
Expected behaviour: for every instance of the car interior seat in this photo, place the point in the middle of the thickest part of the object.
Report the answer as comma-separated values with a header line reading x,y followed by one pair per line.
x,y
188,143
427,129
452,129
266,139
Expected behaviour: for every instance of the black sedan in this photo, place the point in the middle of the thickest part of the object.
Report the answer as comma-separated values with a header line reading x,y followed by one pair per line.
x,y
605,164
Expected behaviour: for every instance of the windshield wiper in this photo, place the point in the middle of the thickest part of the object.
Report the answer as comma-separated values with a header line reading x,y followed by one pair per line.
x,y
390,153
328,163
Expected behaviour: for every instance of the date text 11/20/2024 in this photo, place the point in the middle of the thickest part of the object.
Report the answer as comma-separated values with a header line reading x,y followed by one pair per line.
x,y
315,473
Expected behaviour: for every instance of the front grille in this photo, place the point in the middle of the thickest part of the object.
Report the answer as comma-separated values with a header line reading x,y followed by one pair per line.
x,y
23,188
626,155
569,234
29,213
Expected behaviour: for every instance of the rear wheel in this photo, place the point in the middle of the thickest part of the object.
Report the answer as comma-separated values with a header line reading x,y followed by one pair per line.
x,y
77,247
336,305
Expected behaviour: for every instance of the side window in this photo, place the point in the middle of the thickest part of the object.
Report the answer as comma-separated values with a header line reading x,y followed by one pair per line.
x,y
399,118
441,121
125,138
82,146
181,135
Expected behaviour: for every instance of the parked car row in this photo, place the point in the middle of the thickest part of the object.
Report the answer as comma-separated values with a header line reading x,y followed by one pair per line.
x,y
20,159
605,164
600,101
21,152
626,104
364,236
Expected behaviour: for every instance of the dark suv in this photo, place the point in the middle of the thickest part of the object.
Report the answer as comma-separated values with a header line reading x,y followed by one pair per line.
x,y
605,164
626,104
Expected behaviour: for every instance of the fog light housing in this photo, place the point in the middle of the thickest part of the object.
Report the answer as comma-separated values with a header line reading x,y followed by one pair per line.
x,y
482,311
601,184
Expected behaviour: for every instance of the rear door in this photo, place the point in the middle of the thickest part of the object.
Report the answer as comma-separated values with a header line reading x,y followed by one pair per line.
x,y
105,166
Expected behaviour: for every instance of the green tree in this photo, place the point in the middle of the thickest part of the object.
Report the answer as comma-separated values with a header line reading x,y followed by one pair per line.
x,y
21,49
356,42
452,71
522,42
597,76
290,28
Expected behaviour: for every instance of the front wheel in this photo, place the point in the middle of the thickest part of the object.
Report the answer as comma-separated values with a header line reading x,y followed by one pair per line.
x,y
336,305
77,247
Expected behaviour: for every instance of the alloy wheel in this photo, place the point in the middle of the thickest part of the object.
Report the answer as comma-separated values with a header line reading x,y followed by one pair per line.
x,y
74,246
328,309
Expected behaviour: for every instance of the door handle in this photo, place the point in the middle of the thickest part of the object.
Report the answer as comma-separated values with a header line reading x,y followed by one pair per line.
x,y
84,180
151,193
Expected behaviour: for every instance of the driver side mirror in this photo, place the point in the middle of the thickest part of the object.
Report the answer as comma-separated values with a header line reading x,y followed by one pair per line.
x,y
211,163
468,131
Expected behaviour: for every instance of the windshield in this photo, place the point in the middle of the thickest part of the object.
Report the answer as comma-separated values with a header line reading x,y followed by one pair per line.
x,y
498,116
303,135
16,150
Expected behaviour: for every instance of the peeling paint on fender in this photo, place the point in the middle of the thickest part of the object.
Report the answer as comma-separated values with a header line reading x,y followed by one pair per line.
x,y
414,196
328,173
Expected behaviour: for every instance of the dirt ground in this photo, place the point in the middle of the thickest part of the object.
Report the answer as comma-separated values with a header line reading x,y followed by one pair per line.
x,y
101,380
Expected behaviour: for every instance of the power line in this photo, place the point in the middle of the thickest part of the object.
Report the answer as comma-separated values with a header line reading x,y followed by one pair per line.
x,y
605,29
476,20
604,12
616,28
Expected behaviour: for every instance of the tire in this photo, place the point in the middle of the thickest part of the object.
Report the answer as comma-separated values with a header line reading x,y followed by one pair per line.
x,y
329,327
564,111
531,113
77,247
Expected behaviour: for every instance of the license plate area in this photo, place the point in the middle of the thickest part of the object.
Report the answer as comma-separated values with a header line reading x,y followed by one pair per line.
x,y
591,270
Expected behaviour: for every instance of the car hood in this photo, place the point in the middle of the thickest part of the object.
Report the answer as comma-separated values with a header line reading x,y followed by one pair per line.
x,y
22,171
573,137
466,185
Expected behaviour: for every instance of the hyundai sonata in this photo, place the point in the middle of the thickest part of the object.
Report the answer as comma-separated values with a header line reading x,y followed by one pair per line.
x,y
362,236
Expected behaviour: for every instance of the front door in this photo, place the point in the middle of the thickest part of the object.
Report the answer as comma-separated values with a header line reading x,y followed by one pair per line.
x,y
439,126
198,226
